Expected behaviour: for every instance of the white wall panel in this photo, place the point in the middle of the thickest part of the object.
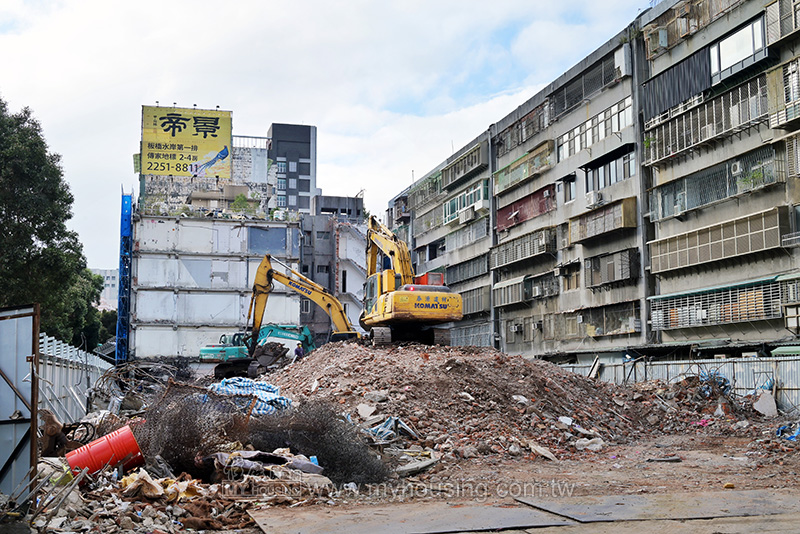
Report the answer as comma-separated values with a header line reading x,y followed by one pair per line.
x,y
194,236
152,306
156,234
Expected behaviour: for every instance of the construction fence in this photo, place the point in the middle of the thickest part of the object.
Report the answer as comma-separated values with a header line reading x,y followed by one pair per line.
x,y
65,375
746,375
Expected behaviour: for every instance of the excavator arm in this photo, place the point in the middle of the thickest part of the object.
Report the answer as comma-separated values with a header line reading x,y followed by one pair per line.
x,y
262,287
381,239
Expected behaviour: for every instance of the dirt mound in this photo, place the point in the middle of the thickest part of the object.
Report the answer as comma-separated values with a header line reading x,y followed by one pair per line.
x,y
466,397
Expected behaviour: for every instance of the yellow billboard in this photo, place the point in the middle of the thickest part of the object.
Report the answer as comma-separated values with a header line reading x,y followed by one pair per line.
x,y
186,142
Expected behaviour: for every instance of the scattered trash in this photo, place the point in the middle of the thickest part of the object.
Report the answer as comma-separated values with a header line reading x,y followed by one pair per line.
x,y
594,445
669,459
268,396
765,405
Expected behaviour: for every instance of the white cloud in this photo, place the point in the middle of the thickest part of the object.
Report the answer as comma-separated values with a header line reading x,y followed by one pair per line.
x,y
391,86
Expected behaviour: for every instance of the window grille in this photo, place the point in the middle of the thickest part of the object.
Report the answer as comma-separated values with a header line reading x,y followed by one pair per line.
x,y
508,293
473,161
467,269
726,115
583,86
428,221
606,219
747,172
475,300
467,235
735,304
737,237
526,167
426,191
525,247
620,266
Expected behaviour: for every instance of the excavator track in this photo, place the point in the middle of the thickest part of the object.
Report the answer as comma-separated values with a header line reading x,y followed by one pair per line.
x,y
380,335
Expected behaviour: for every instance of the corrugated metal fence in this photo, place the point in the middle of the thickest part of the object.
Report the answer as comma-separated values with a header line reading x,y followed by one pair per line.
x,y
745,374
65,375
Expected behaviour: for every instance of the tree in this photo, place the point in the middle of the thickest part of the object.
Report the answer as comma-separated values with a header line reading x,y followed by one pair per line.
x,y
108,318
240,203
40,259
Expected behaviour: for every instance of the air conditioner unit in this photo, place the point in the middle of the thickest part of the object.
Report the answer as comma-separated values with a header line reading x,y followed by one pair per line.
x,y
546,193
514,328
579,319
537,325
736,168
708,131
594,198
557,271
466,215
542,239
537,291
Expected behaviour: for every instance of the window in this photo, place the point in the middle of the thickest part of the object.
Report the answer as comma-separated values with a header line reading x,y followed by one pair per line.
x,y
293,183
304,269
611,172
614,119
304,169
346,309
571,278
281,201
281,167
323,269
281,184
737,48
569,189
293,200
292,166
344,281
305,305
323,235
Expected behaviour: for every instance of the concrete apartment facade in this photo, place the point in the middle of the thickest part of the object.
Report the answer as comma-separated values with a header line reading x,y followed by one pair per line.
x,y
334,244
108,297
642,204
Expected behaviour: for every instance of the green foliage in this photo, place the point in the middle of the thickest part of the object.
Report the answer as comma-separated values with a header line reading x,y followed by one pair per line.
x,y
108,319
240,203
40,259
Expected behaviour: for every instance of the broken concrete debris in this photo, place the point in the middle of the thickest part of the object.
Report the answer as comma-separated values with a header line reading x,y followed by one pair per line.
x,y
348,416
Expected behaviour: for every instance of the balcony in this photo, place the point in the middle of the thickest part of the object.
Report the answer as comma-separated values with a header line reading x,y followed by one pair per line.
x,y
523,248
749,172
475,160
746,235
536,162
733,112
755,300
618,215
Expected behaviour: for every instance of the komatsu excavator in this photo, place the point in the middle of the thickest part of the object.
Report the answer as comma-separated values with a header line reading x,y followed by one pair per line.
x,y
398,307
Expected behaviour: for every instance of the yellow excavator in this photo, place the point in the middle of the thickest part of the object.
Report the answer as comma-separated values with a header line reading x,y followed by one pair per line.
x,y
398,306
262,287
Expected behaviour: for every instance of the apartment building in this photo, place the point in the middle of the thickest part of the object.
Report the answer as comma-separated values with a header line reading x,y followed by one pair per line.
x,y
720,131
642,204
293,149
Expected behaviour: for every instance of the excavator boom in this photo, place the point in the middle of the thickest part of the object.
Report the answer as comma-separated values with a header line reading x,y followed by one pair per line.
x,y
262,286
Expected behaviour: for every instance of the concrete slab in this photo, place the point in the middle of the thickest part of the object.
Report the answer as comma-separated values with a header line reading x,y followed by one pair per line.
x,y
421,518
680,506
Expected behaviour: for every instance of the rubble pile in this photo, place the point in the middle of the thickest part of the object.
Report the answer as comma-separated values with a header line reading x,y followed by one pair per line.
x,y
468,401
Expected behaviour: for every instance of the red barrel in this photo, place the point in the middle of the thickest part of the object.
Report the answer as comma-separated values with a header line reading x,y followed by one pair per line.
x,y
111,449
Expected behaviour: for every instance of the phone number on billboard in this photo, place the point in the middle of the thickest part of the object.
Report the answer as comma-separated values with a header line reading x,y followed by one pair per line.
x,y
177,167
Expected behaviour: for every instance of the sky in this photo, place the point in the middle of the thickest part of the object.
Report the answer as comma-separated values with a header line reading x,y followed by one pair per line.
x,y
392,87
